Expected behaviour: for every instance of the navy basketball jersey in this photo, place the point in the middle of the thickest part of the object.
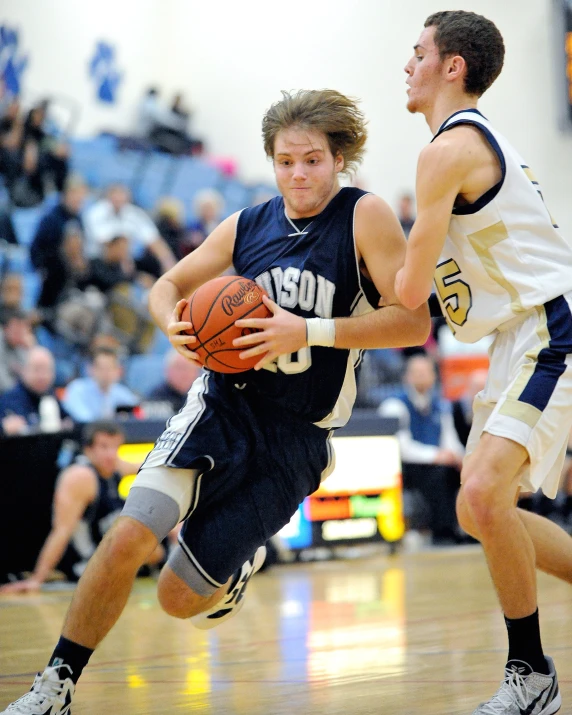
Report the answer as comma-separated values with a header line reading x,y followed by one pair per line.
x,y
96,520
312,272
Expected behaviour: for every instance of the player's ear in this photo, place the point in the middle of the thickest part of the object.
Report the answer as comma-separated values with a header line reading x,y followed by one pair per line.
x,y
339,162
456,67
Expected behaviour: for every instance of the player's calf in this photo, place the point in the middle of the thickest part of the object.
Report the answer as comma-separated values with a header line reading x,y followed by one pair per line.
x,y
177,599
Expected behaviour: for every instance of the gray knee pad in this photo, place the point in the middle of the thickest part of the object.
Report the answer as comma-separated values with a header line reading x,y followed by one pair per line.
x,y
157,511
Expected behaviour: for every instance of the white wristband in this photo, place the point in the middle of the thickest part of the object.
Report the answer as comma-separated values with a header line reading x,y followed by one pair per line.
x,y
321,331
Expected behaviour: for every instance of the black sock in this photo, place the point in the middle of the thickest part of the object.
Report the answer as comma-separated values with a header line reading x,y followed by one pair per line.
x,y
524,642
568,505
72,654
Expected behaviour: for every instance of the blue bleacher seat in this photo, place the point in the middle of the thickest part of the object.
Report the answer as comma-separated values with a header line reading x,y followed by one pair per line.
x,y
15,259
32,287
144,372
160,344
236,196
87,156
26,222
193,175
154,179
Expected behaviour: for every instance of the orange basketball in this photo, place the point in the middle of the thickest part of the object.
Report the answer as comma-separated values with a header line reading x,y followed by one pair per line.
x,y
213,309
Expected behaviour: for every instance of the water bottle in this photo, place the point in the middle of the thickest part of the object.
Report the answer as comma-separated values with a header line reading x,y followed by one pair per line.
x,y
49,411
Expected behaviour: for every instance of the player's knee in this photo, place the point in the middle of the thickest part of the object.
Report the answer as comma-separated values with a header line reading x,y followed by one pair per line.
x,y
129,542
464,516
176,598
171,605
479,500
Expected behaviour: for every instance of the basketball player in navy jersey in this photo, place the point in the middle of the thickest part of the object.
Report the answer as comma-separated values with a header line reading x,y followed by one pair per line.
x,y
246,449
501,267
86,502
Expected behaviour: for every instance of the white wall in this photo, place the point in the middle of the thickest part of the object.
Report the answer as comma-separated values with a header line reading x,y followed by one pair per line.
x,y
61,35
232,59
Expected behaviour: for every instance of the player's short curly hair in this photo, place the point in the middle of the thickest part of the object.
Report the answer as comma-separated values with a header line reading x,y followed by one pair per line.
x,y
476,39
91,430
326,111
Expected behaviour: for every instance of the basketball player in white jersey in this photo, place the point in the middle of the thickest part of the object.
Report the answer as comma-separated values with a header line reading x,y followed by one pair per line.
x,y
500,267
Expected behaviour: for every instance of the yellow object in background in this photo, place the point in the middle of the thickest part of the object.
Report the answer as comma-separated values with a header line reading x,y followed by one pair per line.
x,y
390,519
131,453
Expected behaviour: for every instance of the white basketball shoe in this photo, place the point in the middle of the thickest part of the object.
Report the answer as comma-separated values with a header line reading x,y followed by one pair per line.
x,y
51,694
524,692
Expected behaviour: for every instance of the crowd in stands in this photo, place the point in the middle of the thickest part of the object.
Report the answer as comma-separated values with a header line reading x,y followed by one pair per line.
x,y
167,127
81,246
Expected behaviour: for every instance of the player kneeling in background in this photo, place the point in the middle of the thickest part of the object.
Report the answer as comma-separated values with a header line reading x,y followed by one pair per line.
x,y
86,504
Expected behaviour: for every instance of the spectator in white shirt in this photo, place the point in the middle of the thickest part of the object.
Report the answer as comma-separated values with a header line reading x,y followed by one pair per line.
x,y
115,215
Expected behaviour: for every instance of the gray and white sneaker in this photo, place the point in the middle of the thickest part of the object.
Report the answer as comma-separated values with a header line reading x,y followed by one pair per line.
x,y
51,694
524,692
233,600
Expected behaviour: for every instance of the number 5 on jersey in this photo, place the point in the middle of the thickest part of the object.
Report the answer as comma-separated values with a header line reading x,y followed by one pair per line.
x,y
454,293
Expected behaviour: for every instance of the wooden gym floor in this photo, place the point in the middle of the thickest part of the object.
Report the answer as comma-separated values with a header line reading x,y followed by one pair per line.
x,y
417,634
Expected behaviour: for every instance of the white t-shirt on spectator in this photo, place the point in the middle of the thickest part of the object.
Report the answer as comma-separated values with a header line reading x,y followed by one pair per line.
x,y
102,223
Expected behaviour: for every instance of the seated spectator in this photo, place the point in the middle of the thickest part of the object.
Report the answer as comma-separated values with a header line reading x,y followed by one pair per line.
x,y
31,406
165,128
170,221
11,135
57,249
53,154
116,276
16,339
100,395
180,374
11,294
115,215
85,505
28,189
208,206
180,110
113,267
430,449
463,407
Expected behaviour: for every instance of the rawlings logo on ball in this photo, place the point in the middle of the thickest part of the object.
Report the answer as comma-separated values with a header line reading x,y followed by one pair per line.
x,y
252,297
245,294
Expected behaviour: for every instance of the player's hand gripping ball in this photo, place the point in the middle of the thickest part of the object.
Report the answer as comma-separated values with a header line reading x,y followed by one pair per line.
x,y
212,310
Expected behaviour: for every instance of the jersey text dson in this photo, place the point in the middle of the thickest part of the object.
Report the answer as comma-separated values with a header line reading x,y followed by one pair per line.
x,y
292,287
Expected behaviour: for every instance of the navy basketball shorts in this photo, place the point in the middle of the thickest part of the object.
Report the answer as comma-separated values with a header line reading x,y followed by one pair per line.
x,y
234,467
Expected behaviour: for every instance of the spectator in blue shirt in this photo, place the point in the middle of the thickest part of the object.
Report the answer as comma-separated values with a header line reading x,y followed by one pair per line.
x,y
430,448
21,407
100,395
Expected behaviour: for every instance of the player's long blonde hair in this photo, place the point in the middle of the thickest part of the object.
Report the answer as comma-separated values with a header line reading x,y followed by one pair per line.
x,y
323,110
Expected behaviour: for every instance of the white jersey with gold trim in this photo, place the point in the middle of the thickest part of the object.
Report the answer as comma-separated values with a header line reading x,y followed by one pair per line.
x,y
503,254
